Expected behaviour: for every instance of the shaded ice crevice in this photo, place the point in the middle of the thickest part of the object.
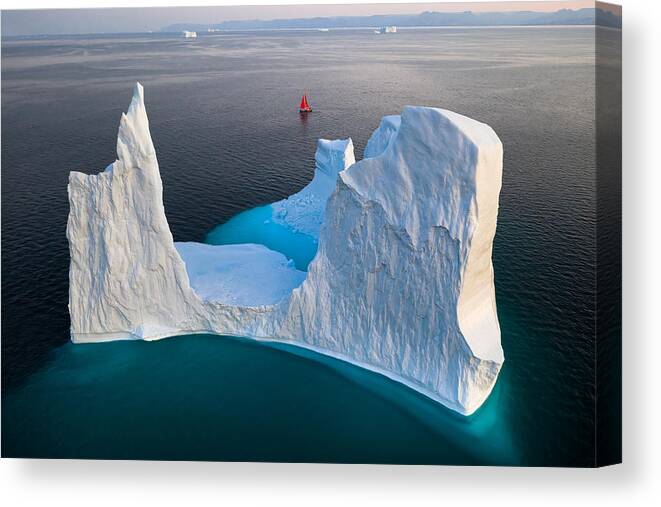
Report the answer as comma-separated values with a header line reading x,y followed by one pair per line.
x,y
402,282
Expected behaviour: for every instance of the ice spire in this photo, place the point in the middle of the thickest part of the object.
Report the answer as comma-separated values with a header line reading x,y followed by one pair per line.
x,y
134,144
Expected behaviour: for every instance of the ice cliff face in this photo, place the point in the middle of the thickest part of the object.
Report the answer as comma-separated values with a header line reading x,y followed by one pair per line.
x,y
402,282
125,272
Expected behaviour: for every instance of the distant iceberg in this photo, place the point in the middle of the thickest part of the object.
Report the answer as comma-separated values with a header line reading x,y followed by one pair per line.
x,y
386,29
402,282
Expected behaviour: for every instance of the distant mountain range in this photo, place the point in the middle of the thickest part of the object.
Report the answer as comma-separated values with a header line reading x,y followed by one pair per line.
x,y
588,16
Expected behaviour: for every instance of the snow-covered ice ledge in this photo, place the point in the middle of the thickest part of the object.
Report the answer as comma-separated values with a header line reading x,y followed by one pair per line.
x,y
402,283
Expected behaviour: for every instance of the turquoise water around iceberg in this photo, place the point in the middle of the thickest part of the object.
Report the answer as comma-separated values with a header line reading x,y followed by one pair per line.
x,y
257,226
206,397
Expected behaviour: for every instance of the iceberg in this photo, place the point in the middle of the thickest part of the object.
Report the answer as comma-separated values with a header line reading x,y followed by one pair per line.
x,y
402,282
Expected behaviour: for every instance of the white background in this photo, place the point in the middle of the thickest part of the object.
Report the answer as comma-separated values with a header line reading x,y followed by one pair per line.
x,y
636,482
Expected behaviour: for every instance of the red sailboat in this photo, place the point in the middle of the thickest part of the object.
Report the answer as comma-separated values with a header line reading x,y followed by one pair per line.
x,y
304,107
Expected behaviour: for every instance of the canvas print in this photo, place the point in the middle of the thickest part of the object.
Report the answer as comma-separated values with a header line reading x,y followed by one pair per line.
x,y
346,234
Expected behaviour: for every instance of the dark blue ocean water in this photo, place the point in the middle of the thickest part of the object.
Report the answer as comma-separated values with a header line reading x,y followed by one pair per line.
x,y
223,118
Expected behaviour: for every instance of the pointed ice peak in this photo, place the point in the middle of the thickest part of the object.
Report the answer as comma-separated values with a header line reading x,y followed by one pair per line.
x,y
134,140
138,92
137,101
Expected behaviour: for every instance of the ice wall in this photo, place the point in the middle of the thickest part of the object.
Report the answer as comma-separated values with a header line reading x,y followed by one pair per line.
x,y
402,283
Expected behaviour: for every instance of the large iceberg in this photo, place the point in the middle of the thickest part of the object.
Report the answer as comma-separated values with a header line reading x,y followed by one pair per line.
x,y
402,282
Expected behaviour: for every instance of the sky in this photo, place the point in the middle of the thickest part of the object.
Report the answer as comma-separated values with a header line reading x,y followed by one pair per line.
x,y
75,21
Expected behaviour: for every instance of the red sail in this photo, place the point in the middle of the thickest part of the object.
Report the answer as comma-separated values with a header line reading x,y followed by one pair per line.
x,y
304,102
